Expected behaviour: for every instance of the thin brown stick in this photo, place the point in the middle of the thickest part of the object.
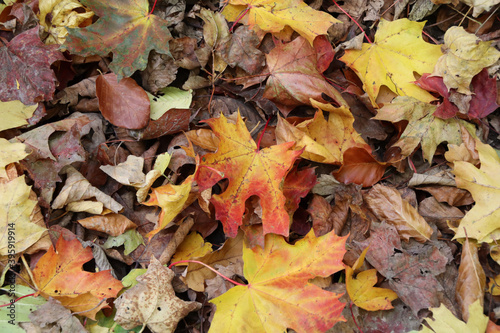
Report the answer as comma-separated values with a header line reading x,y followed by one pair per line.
x,y
179,236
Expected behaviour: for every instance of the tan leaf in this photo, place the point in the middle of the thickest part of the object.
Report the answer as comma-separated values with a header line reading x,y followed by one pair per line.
x,y
111,224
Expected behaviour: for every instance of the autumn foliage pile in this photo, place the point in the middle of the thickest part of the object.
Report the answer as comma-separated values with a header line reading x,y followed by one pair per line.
x,y
249,166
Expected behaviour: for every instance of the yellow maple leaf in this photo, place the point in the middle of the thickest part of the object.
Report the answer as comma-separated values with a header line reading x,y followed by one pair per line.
x,y
361,288
193,246
274,16
10,153
15,114
481,222
465,56
397,52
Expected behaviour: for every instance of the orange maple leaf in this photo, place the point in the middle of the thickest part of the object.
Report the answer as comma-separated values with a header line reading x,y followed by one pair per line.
x,y
59,274
279,294
250,171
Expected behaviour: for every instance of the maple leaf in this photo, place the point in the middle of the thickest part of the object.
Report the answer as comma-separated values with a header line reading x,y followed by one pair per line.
x,y
193,246
278,294
397,52
59,274
250,171
10,153
481,222
25,72
445,321
465,56
274,16
15,114
423,127
294,77
127,29
152,301
361,288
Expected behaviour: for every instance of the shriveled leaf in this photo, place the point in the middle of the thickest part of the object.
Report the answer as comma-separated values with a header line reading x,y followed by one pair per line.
x,y
445,321
362,290
111,224
125,28
15,114
54,316
471,280
193,246
480,5
152,302
59,274
250,171
481,222
294,77
465,56
16,225
278,295
275,16
130,112
397,52
25,72
388,205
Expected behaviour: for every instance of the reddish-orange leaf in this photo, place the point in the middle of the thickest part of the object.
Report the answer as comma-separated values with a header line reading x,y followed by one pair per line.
x,y
279,294
59,274
250,171
360,167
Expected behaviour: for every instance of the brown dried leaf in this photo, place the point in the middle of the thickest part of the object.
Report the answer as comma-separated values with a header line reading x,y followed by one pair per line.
x,y
111,224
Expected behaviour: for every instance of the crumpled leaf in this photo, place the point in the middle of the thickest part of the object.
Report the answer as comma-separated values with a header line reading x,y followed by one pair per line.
x,y
10,153
125,28
471,280
16,209
480,5
423,128
445,321
481,222
250,172
25,72
111,224
272,16
397,52
388,205
279,295
15,114
152,302
361,288
291,63
216,34
59,274
78,188
465,56
57,15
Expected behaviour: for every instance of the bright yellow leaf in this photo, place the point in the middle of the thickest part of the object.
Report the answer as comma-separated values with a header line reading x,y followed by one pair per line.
x,y
361,288
15,113
193,246
274,16
397,52
481,222
465,56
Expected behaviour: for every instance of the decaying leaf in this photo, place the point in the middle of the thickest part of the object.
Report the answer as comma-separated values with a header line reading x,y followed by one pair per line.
x,y
10,153
111,224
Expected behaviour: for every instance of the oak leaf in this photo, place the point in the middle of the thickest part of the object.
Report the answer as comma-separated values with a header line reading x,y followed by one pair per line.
x,y
125,28
279,295
250,171
423,129
152,302
481,222
397,52
274,16
361,288
59,274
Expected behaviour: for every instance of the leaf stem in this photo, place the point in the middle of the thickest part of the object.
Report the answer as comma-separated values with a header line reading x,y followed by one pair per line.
x,y
356,22
210,268
238,19
153,8
355,322
17,299
262,134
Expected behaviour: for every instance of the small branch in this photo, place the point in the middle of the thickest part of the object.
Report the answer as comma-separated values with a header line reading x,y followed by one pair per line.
x,y
210,268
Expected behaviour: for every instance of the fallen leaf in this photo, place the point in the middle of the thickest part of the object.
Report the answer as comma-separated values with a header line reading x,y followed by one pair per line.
x,y
397,52
131,239
59,274
278,295
216,34
125,28
130,112
167,99
15,114
242,51
10,153
465,55
446,109
298,183
423,128
445,321
25,73
481,222
294,77
362,290
250,171
360,167
388,205
193,246
275,16
484,100
480,5
111,224
152,302
55,317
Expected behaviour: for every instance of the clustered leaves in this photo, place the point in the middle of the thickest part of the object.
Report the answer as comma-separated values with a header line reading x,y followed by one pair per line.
x,y
249,166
